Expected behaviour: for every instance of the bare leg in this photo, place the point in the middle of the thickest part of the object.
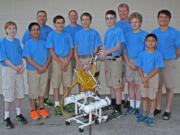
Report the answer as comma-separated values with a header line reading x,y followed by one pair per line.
x,y
46,94
18,103
113,93
169,97
32,103
138,92
56,94
41,102
152,107
145,104
131,90
158,97
118,95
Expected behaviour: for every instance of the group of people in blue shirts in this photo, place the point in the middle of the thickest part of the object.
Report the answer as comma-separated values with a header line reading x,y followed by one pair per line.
x,y
145,61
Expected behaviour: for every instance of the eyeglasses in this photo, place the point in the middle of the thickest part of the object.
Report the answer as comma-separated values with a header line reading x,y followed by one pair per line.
x,y
59,22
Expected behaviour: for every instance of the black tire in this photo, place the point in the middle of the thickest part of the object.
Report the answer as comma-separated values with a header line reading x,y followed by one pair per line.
x,y
96,121
67,123
81,130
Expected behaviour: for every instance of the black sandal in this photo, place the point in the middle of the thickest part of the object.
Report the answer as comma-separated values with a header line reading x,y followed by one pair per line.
x,y
157,111
166,115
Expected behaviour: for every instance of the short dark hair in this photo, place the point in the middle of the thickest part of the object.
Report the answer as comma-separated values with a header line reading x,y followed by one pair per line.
x,y
33,24
86,14
41,11
166,12
111,12
58,17
151,35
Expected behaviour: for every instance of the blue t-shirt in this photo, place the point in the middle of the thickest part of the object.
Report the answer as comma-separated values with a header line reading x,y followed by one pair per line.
x,y
37,51
168,41
125,26
87,41
44,31
61,43
149,61
72,30
10,50
134,43
113,37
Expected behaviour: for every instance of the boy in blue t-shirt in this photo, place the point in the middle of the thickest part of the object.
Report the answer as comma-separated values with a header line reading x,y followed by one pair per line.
x,y
87,41
60,45
133,46
149,63
123,23
38,58
12,73
113,40
44,31
169,46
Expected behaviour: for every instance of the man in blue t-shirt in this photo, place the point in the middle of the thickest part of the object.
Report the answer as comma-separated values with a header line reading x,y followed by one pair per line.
x,y
72,28
123,23
44,31
169,46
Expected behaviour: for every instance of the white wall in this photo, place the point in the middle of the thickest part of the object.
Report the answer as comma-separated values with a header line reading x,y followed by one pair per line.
x,y
24,11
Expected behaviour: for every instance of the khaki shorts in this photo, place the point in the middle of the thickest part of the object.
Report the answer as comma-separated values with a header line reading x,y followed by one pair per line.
x,y
153,86
37,83
58,76
166,75
132,75
12,84
113,72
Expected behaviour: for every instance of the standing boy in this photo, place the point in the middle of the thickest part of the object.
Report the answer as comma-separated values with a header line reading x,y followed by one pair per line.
x,y
169,46
60,45
149,62
38,58
87,42
12,72
44,31
113,40
133,46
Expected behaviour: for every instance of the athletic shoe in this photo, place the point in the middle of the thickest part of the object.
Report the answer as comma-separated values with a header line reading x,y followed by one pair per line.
x,y
68,108
114,115
43,113
150,121
48,102
35,115
8,124
141,118
137,112
130,110
58,111
20,118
